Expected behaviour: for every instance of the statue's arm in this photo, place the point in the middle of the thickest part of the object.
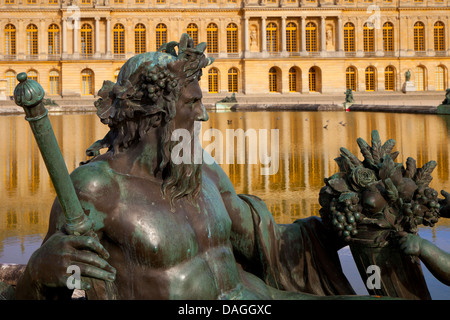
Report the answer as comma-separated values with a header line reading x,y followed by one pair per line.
x,y
46,273
436,260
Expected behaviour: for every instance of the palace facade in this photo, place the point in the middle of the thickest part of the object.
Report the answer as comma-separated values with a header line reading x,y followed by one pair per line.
x,y
283,47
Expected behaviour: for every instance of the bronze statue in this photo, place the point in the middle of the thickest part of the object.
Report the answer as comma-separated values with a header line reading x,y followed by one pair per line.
x,y
447,97
349,96
373,203
151,228
407,75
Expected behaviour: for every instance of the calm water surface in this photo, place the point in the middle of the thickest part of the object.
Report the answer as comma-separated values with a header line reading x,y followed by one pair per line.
x,y
305,156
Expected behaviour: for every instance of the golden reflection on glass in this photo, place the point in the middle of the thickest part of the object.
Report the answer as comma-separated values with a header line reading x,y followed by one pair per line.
x,y
308,144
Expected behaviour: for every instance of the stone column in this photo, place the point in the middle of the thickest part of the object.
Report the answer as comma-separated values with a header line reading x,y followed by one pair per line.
x,y
303,36
246,36
283,35
64,37
97,37
340,32
42,40
379,50
429,36
108,37
76,38
323,36
263,35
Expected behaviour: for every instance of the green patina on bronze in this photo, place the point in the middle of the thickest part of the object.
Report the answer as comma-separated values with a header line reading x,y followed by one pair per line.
x,y
142,227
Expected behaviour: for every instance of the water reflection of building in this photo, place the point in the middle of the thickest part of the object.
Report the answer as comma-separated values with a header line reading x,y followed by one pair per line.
x,y
306,156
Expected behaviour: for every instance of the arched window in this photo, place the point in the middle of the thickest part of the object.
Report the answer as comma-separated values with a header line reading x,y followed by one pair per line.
x,y
439,36
32,40
212,35
369,37
53,39
350,78
420,78
349,37
192,31
213,80
10,40
293,80
32,75
232,80
86,39
370,79
291,37
273,84
161,34
232,38
116,75
10,82
311,37
87,82
313,80
388,37
389,79
271,37
54,82
440,78
119,39
419,36
140,44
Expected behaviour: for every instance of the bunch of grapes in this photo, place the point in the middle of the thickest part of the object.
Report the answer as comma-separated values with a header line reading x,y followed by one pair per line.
x,y
345,215
424,209
157,80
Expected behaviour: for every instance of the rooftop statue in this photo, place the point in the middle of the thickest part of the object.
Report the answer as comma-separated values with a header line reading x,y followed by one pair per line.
x,y
140,226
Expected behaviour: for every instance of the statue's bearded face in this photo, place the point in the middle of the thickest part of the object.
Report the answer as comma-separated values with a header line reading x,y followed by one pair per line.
x,y
184,179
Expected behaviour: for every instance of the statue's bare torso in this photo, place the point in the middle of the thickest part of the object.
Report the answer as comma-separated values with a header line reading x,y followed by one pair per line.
x,y
160,254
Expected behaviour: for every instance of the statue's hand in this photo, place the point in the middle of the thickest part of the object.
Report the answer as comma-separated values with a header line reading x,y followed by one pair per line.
x,y
445,205
48,266
411,244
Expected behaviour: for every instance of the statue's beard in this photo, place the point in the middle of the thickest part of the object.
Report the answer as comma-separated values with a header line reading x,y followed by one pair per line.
x,y
179,180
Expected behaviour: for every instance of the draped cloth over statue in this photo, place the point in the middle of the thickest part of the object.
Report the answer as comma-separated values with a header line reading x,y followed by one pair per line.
x,y
300,257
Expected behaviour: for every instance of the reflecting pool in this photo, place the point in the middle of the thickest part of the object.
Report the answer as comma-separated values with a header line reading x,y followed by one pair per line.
x,y
308,143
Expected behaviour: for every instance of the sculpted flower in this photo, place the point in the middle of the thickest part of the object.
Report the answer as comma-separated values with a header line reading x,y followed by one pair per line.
x,y
361,178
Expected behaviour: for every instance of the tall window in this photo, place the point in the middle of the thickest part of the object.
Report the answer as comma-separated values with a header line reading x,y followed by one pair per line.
x,y
370,79
440,78
10,82
139,38
291,37
420,78
273,80
349,37
53,39
369,34
53,82
388,37
350,78
389,79
311,37
292,80
119,39
271,37
233,80
10,40
213,80
419,36
139,1
161,34
86,39
232,38
192,31
439,36
32,40
87,82
9,1
32,75
312,77
212,35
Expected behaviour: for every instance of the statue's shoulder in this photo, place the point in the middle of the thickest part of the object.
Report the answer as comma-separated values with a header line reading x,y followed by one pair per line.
x,y
94,177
